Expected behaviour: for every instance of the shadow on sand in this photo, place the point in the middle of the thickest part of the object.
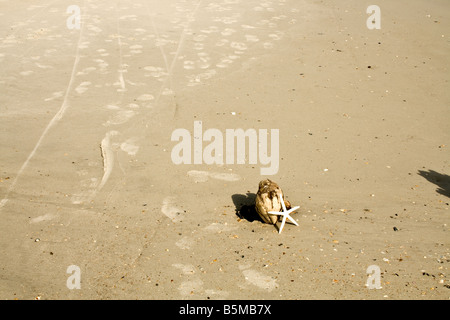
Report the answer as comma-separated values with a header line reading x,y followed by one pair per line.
x,y
441,180
245,206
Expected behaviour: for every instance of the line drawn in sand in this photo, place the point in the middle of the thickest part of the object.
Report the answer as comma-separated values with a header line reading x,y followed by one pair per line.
x,y
56,118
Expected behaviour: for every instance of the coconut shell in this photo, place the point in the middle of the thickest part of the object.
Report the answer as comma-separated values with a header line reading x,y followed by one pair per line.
x,y
268,199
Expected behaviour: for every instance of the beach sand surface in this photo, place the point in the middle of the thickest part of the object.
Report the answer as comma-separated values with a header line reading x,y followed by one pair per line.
x,y
87,176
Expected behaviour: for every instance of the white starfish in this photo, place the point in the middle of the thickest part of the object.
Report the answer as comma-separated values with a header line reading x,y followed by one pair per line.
x,y
285,213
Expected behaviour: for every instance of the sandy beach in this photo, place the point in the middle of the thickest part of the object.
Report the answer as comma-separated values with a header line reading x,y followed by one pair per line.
x,y
120,177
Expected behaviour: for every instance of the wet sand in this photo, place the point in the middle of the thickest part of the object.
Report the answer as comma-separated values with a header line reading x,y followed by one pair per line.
x,y
87,176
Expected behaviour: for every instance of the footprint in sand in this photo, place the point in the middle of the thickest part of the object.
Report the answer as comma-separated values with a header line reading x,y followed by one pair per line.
x,y
190,287
83,87
102,64
197,79
120,117
45,217
103,52
130,147
90,186
26,73
224,63
240,46
145,97
185,243
221,42
186,269
55,95
258,279
43,66
276,36
194,284
211,29
204,61
188,242
145,100
170,210
155,72
84,45
199,46
228,32
268,45
251,38
86,71
203,176
188,65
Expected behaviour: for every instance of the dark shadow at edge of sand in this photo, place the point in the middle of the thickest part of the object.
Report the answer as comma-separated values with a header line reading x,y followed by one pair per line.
x,y
439,179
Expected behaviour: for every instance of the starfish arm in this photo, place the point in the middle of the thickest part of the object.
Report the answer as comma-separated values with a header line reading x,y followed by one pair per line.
x,y
282,224
292,220
285,213
276,212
